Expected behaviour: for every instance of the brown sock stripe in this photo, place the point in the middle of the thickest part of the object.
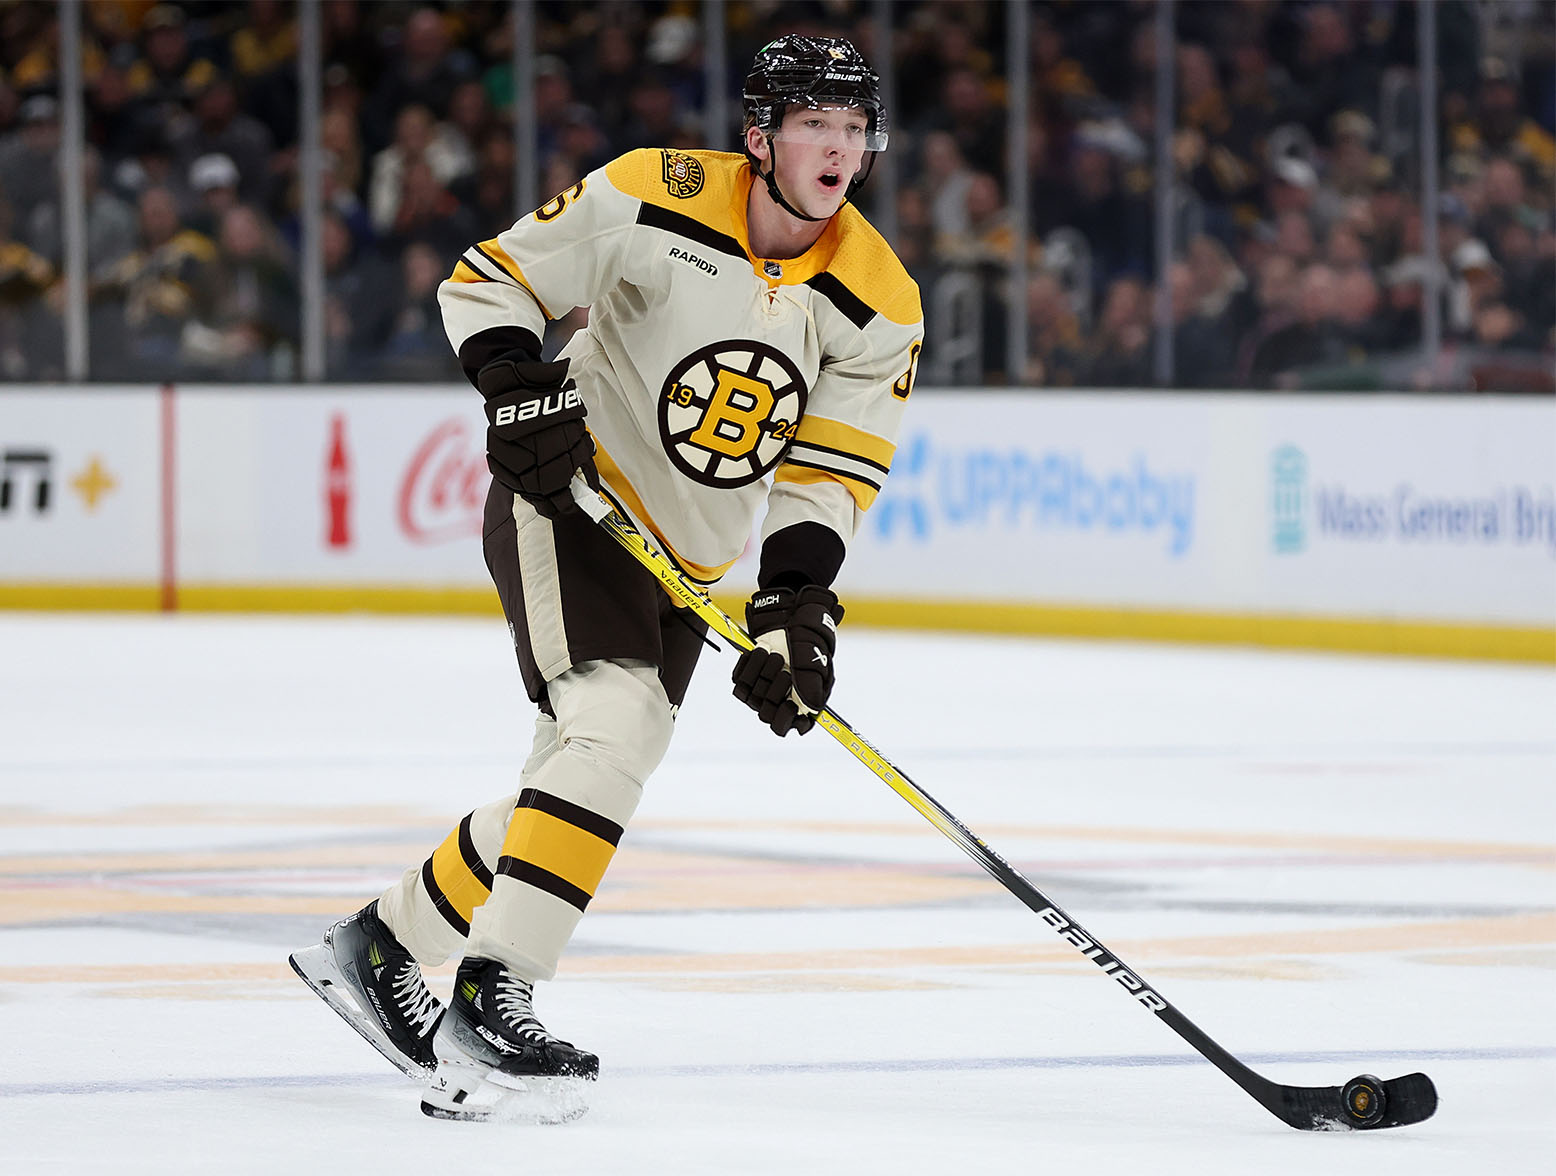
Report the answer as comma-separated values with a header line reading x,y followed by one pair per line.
x,y
440,900
565,810
543,879
467,851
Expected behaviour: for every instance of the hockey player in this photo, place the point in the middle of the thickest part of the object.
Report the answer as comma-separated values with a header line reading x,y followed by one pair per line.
x,y
745,321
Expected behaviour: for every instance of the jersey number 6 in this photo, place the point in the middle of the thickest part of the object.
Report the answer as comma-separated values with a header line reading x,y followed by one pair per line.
x,y
557,205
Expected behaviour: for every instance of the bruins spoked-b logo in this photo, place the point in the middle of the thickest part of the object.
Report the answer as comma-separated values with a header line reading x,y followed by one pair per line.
x,y
728,411
683,174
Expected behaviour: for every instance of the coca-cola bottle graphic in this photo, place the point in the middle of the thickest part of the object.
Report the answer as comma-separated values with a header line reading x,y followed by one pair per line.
x,y
337,487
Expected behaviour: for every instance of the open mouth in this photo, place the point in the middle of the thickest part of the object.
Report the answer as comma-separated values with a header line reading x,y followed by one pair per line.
x,y
830,180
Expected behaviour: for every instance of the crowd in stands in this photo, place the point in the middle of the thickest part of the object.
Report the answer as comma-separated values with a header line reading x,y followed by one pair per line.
x,y
1299,245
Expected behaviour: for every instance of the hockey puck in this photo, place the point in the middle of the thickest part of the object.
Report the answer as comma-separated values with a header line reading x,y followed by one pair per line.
x,y
1364,1100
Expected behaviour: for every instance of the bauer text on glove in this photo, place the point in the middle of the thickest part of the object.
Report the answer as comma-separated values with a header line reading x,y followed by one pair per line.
x,y
536,439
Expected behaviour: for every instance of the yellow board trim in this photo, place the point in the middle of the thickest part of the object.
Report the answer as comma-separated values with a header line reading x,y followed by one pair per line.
x,y
1349,634
104,597
572,854
462,888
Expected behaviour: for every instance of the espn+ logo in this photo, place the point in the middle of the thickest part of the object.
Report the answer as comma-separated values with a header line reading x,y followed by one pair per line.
x,y
943,488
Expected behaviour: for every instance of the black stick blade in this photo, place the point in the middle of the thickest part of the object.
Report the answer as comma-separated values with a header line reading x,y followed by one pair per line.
x,y
1364,1103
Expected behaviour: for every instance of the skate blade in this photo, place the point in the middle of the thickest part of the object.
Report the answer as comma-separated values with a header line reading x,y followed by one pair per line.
x,y
471,1094
317,968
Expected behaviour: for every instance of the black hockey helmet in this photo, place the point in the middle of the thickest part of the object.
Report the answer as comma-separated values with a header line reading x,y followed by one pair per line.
x,y
796,70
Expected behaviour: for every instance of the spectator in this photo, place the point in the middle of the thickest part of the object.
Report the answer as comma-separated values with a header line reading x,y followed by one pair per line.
x,y
654,121
30,343
946,180
247,328
158,287
1203,349
1118,354
424,73
489,193
1404,287
1357,300
1053,333
1330,73
417,347
356,314
215,181
429,213
610,74
969,116
1309,341
220,128
339,136
266,43
1529,271
110,222
1500,127
469,118
987,239
28,157
416,141
1117,223
167,75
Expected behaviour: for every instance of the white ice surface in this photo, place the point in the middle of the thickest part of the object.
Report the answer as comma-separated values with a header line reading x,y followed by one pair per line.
x,y
1332,864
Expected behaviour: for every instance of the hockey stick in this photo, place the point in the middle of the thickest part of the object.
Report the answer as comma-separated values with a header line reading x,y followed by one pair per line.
x,y
1363,1103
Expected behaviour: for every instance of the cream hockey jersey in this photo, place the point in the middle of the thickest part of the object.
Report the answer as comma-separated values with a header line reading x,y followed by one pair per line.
x,y
705,369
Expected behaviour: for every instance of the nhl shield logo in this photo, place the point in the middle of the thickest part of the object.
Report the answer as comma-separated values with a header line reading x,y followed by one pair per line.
x,y
683,174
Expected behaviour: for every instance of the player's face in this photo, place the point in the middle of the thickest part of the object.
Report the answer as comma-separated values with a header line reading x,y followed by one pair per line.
x,y
819,152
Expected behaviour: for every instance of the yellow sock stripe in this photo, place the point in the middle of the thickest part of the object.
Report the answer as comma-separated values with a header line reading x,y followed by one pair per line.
x,y
550,835
464,883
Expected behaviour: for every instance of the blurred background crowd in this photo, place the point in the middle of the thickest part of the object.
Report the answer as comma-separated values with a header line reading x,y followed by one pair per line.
x,y
1299,253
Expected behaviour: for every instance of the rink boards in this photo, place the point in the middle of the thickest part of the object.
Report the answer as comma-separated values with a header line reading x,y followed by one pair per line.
x,y
1415,524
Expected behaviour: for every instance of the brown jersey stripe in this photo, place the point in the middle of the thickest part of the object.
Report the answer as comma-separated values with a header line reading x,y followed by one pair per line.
x,y
498,256
691,228
850,476
543,879
440,900
853,308
585,819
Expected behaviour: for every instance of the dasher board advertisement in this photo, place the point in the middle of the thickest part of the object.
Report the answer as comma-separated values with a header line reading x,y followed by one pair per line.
x,y
336,485
1359,507
81,497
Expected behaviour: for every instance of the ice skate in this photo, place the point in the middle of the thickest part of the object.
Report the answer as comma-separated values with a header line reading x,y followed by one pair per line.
x,y
362,972
497,1061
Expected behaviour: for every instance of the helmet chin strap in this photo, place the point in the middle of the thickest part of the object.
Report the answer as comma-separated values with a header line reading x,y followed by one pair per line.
x,y
771,176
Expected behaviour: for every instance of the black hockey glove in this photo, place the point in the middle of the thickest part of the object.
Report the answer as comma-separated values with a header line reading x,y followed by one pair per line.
x,y
786,679
537,438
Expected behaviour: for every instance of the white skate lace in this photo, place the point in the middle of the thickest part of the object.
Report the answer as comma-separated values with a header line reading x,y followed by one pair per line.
x,y
414,999
514,1001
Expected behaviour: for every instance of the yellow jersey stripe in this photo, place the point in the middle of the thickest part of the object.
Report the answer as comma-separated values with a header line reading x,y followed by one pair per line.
x,y
463,273
500,258
616,482
863,493
847,440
